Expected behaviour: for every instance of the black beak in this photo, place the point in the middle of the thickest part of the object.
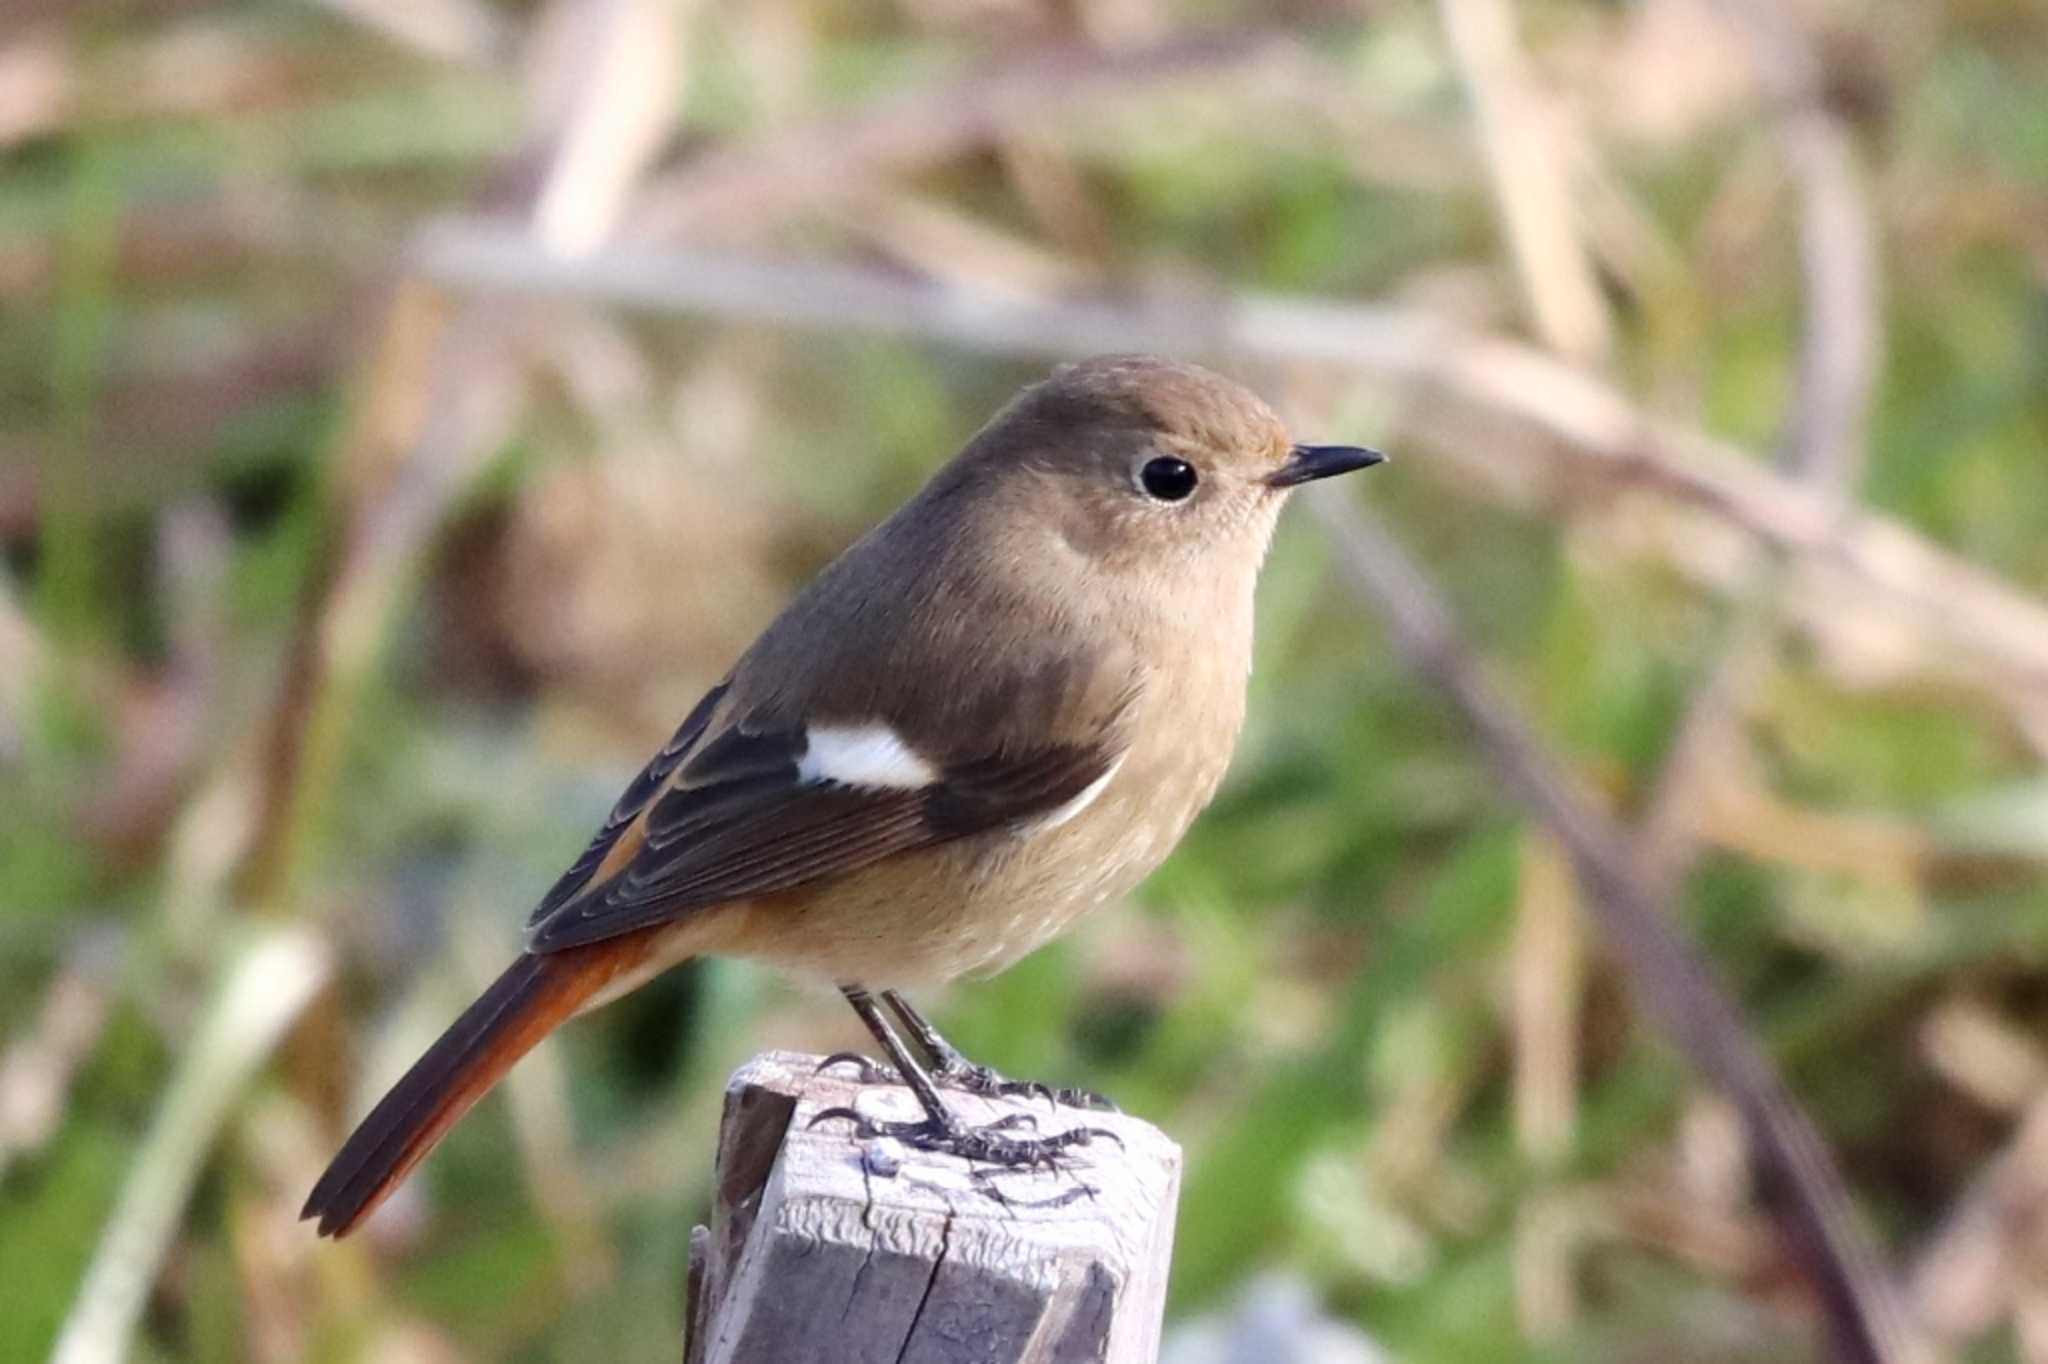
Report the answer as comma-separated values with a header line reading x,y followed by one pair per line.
x,y
1308,462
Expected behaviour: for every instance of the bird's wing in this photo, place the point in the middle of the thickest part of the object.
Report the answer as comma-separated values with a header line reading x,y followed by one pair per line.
x,y
728,812
632,804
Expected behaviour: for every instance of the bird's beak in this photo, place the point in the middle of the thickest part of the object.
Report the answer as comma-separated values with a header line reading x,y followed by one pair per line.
x,y
1307,462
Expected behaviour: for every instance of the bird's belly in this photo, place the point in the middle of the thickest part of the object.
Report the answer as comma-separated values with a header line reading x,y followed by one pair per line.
x,y
975,906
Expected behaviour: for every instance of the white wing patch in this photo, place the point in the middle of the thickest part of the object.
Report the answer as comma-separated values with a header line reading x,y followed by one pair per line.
x,y
863,755
1052,819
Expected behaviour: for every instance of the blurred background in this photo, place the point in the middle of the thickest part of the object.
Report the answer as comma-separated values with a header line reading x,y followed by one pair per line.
x,y
408,406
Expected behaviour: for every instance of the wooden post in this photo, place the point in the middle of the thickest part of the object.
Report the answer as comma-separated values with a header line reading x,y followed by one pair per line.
x,y
825,1248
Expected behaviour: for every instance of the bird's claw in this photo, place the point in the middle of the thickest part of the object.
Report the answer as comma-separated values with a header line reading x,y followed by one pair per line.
x,y
970,1078
1075,1097
840,1112
977,1079
987,1145
865,1071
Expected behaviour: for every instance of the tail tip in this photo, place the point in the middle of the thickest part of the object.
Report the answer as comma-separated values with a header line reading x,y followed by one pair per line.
x,y
334,1221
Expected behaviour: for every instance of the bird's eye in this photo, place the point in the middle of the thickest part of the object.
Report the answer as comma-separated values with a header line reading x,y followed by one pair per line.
x,y
1168,479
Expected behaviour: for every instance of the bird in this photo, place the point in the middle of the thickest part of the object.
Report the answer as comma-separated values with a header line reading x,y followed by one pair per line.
x,y
998,709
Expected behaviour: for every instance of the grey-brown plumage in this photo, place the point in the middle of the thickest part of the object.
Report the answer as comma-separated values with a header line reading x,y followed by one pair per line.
x,y
1000,708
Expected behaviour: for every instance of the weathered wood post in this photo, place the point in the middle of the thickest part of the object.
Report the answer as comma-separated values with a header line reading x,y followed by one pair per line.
x,y
825,1248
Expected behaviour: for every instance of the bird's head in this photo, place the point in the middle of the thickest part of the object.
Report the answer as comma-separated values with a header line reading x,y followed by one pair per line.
x,y
1137,460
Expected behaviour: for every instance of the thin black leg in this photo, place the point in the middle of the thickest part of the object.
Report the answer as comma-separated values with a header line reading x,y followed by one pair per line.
x,y
941,1130
952,1069
913,1074
946,1058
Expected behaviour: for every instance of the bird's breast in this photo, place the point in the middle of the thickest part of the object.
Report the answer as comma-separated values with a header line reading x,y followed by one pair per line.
x,y
1180,749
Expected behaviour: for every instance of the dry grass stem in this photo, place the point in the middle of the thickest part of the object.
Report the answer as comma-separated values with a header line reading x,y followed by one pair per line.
x,y
1520,130
1823,441
1671,985
735,190
1965,618
261,990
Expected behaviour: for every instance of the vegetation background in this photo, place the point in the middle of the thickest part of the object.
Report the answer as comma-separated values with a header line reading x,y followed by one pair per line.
x,y
408,406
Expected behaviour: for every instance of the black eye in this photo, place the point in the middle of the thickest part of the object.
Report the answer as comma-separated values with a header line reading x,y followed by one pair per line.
x,y
1168,479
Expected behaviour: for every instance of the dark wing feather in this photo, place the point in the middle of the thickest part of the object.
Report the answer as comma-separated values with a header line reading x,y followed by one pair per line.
x,y
738,822
630,806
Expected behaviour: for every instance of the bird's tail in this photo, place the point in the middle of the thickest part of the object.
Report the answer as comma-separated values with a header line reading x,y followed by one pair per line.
x,y
523,1005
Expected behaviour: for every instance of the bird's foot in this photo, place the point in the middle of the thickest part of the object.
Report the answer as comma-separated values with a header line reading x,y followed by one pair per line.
x,y
971,1078
959,1073
990,1144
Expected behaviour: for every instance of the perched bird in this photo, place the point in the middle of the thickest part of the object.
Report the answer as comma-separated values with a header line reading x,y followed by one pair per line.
x,y
998,709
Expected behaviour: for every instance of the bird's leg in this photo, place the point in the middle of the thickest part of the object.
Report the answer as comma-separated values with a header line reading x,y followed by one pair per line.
x,y
948,1065
941,1053
940,1129
870,1073
952,1069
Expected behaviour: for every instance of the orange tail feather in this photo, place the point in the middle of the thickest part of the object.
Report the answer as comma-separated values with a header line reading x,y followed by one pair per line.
x,y
536,993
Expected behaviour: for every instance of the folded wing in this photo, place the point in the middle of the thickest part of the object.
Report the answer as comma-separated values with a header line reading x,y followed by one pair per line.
x,y
728,813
